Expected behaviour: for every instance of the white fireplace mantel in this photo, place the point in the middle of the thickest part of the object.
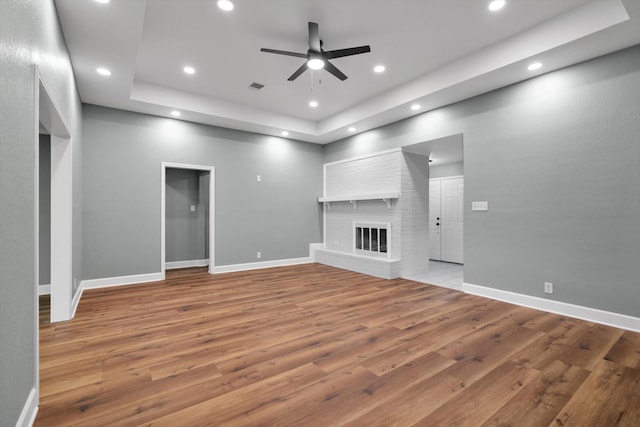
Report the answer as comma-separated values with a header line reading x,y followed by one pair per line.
x,y
355,198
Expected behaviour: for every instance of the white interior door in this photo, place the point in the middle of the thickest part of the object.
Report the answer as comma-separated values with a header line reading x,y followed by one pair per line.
x,y
452,200
434,219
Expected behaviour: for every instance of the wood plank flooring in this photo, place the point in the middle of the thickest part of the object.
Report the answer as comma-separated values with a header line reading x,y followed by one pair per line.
x,y
313,345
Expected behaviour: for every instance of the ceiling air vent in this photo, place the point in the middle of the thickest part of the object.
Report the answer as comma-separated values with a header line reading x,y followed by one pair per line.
x,y
256,86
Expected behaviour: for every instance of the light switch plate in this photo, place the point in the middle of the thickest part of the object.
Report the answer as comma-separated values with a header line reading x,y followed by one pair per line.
x,y
479,206
193,208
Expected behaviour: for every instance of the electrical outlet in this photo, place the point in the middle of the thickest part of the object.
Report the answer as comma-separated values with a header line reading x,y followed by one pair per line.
x,y
548,287
259,255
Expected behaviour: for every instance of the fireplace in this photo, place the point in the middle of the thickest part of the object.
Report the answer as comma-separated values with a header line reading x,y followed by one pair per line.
x,y
372,238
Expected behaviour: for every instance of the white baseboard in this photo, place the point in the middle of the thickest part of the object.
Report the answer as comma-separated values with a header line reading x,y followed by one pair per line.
x,y
44,290
579,312
263,264
29,411
76,300
120,281
312,249
171,265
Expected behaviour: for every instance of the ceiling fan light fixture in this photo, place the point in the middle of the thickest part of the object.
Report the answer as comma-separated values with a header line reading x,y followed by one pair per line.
x,y
225,5
315,63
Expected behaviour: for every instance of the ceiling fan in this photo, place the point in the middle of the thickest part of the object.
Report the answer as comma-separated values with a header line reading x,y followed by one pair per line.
x,y
316,57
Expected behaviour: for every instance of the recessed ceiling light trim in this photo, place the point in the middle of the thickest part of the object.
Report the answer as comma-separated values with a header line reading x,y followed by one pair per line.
x,y
496,5
313,104
379,69
225,5
103,71
534,66
102,1
188,69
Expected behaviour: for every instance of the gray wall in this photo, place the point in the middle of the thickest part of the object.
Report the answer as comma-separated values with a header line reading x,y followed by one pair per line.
x,y
123,152
29,34
44,224
443,171
558,159
185,229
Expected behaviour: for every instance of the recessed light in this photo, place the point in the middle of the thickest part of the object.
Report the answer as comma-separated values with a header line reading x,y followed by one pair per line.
x,y
189,69
352,129
176,113
284,133
103,71
225,5
313,104
416,107
534,66
379,68
102,1
496,5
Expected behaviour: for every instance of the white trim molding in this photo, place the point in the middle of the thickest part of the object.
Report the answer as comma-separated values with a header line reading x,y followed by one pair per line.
x,y
212,212
29,411
76,300
44,289
263,264
172,265
312,250
120,281
608,318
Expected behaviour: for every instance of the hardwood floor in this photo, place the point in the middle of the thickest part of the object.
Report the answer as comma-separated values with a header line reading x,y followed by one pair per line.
x,y
312,345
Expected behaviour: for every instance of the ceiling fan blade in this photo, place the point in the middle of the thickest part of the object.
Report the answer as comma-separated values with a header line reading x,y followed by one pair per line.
x,y
339,53
284,52
299,71
314,37
334,70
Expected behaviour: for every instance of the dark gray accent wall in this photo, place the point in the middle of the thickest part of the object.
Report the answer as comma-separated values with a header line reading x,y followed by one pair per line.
x,y
123,152
558,159
185,229
44,220
30,35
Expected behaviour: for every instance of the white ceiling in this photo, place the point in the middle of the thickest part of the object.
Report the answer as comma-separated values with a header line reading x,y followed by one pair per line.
x,y
436,52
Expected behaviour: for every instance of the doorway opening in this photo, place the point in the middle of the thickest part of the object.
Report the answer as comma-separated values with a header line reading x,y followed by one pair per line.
x,y
50,121
187,216
446,209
